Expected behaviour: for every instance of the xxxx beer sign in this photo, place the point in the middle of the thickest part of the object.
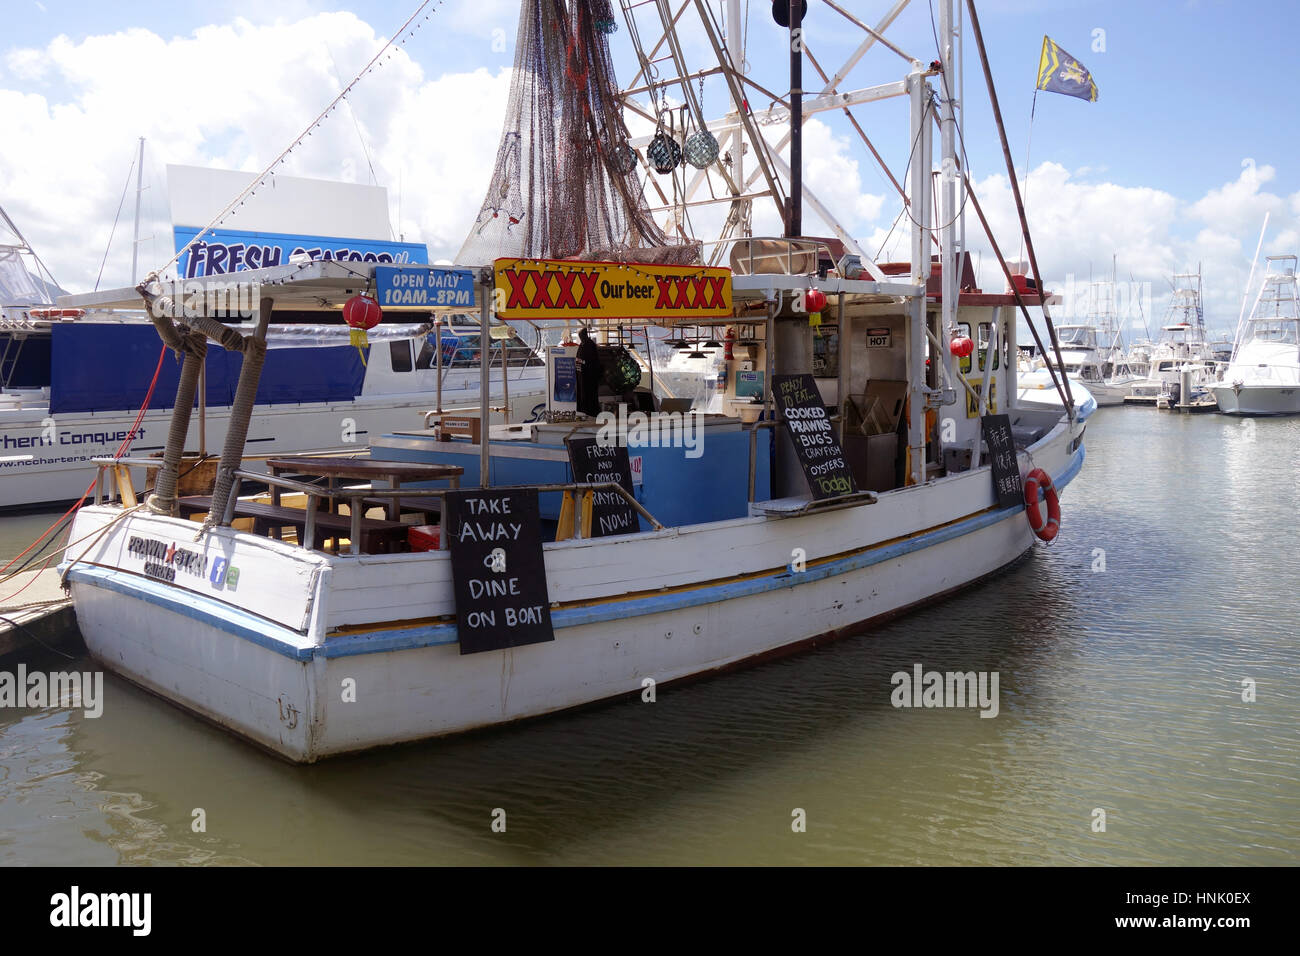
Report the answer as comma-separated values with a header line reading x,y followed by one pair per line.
x,y
565,289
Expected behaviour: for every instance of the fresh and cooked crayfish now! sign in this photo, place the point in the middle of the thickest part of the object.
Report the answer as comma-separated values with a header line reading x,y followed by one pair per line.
x,y
567,289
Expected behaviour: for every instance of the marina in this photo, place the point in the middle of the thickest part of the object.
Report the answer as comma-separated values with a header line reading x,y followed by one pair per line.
x,y
666,514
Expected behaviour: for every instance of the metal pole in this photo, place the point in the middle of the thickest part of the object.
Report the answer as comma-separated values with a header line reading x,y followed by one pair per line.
x,y
135,244
794,224
437,334
948,176
917,318
484,350
203,409
844,347
505,380
736,51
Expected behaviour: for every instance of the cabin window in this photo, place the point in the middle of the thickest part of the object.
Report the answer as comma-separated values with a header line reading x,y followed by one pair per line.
x,y
428,357
963,329
826,353
985,329
401,355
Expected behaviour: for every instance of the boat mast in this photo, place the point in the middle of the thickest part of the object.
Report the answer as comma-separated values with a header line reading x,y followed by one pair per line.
x,y
735,43
794,210
949,175
139,189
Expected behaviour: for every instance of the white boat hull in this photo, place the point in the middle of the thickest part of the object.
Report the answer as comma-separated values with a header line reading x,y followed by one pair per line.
x,y
1258,399
316,655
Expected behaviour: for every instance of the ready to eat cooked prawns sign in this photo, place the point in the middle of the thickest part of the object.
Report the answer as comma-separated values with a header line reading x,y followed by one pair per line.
x,y
804,413
565,289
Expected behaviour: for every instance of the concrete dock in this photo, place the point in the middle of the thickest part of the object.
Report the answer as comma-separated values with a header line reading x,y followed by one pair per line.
x,y
37,617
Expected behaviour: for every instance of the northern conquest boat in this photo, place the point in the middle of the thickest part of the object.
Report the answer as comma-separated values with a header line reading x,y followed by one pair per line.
x,y
64,401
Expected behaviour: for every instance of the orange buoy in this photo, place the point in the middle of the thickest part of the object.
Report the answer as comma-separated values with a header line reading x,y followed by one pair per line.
x,y
1036,480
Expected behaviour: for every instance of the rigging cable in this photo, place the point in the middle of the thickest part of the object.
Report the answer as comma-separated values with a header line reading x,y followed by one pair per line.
x,y
120,203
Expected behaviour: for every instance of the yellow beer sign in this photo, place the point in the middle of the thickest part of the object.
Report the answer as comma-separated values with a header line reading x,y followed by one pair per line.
x,y
567,289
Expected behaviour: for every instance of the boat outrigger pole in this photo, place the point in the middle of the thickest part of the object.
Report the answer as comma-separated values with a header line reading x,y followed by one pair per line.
x,y
1020,205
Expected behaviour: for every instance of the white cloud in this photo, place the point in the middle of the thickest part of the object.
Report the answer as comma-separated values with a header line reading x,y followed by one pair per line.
x,y
233,96
1078,225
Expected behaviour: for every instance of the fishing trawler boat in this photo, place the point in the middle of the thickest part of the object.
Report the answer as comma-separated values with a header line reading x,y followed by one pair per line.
x,y
578,559
317,393
1263,375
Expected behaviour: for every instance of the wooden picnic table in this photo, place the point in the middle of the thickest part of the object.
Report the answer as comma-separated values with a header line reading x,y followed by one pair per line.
x,y
363,469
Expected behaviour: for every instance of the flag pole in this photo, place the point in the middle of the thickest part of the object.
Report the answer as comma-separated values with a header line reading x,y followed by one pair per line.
x,y
1028,140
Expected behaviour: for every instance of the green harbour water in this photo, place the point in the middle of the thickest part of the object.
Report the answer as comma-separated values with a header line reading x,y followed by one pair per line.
x,y
1121,652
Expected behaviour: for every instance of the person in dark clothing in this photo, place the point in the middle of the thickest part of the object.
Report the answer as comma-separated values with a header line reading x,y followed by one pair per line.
x,y
589,375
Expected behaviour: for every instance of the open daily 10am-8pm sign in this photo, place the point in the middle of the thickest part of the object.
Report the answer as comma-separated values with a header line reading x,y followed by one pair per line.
x,y
423,287
563,289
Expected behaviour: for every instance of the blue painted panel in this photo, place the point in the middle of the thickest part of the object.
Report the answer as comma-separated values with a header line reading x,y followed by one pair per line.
x,y
677,490
108,368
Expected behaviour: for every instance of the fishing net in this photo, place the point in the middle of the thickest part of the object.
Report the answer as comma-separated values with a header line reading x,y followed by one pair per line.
x,y
565,184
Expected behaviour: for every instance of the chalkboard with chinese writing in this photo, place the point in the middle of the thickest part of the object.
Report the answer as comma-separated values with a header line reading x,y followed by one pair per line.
x,y
1002,458
497,569
814,440
594,462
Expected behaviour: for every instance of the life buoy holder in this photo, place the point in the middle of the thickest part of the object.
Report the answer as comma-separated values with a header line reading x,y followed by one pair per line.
x,y
1040,480
56,313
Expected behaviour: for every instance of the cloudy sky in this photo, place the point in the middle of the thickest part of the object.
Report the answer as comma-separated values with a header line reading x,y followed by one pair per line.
x,y
1187,148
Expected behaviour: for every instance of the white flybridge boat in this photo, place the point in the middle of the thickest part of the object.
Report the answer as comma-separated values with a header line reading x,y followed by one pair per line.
x,y
1181,356
1263,376
586,559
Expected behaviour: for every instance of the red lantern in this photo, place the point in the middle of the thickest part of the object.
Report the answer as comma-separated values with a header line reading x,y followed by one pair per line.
x,y
961,346
361,313
814,300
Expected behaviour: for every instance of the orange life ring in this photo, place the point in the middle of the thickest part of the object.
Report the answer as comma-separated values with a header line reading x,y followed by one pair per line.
x,y
1046,530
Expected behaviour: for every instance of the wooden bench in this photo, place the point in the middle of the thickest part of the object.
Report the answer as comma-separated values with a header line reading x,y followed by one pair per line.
x,y
377,536
430,506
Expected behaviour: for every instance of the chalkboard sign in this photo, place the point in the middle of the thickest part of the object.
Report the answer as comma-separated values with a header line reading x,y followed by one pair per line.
x,y
497,569
1002,458
814,441
594,462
